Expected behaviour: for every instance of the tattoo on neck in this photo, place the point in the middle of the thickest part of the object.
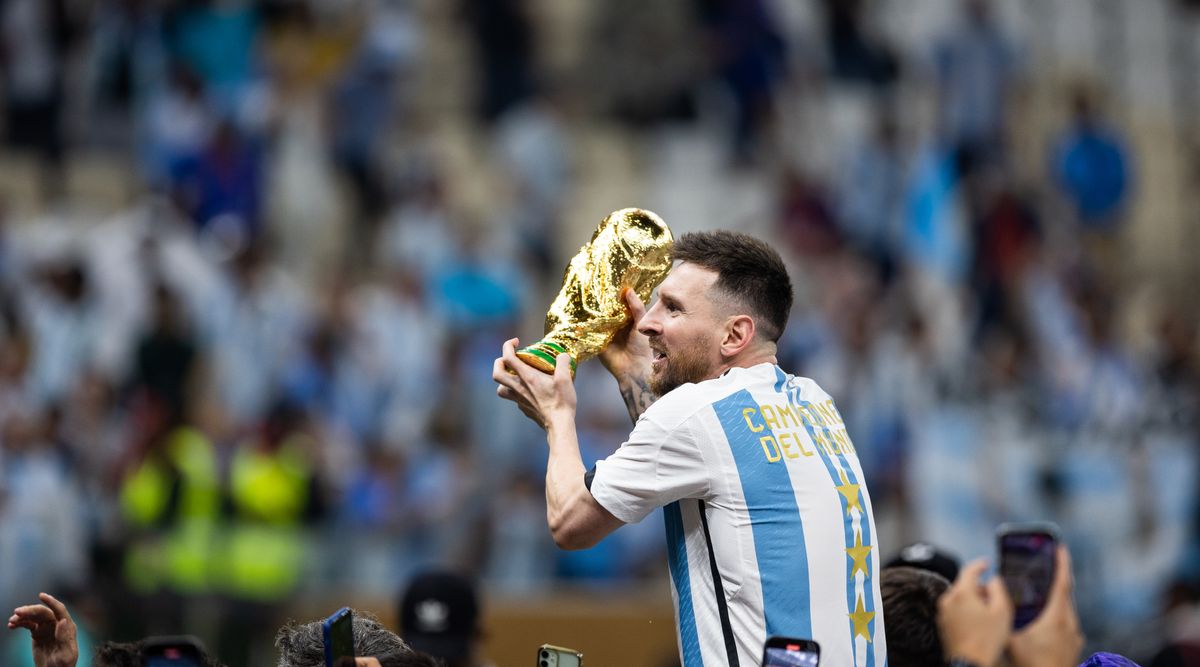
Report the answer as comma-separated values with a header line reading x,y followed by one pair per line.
x,y
638,397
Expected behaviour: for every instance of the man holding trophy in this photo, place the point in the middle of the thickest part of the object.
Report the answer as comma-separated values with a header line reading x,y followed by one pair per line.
x,y
768,519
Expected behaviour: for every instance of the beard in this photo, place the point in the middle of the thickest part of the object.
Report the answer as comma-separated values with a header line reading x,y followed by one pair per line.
x,y
689,363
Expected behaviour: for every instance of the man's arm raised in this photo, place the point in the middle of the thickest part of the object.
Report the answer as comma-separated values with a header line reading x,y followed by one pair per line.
x,y
627,358
576,520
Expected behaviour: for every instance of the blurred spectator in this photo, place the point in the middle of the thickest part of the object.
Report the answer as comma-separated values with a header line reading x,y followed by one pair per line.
x,y
41,515
419,234
178,125
935,234
148,651
910,607
870,192
316,380
217,40
805,219
748,55
521,553
1181,647
304,207
856,54
36,35
505,39
64,319
394,322
627,34
440,616
924,556
1091,167
221,188
166,357
976,71
1007,233
255,320
272,494
304,645
365,99
533,146
482,287
170,498
375,498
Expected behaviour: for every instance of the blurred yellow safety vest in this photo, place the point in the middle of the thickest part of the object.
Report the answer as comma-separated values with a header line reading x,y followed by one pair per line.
x,y
264,550
179,554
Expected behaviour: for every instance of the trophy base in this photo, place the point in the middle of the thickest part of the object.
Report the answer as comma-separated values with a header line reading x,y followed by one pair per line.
x,y
542,355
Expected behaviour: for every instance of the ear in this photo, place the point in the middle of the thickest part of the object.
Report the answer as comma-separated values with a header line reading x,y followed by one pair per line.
x,y
739,333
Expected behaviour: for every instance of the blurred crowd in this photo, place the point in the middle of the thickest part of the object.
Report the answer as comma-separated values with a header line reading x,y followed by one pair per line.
x,y
269,375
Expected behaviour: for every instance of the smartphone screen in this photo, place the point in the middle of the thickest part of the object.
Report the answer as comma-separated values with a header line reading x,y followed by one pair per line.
x,y
1027,567
339,636
174,651
557,656
787,652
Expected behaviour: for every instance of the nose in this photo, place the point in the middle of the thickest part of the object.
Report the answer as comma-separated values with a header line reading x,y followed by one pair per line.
x,y
650,324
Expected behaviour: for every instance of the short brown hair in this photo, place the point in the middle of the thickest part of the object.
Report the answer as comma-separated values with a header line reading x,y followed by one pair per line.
x,y
749,272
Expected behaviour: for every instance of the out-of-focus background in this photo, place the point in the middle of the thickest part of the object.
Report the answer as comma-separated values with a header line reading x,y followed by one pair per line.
x,y
257,257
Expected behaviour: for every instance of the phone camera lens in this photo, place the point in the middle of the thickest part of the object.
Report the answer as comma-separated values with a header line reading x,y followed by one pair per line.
x,y
545,654
545,663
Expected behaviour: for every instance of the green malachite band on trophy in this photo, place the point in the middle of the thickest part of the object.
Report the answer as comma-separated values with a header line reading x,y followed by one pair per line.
x,y
548,354
541,355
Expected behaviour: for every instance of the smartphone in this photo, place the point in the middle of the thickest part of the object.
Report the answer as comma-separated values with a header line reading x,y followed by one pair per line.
x,y
791,652
176,651
339,636
1027,556
557,656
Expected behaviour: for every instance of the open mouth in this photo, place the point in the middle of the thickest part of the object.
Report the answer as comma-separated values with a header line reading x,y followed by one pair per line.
x,y
658,357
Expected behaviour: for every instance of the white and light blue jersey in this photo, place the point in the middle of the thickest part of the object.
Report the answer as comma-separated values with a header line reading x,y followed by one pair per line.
x,y
769,524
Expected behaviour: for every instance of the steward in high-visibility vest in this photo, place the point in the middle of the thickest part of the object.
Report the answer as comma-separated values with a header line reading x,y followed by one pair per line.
x,y
173,501
269,490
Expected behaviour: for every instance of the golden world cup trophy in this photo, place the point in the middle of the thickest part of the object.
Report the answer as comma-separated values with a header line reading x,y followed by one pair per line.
x,y
631,249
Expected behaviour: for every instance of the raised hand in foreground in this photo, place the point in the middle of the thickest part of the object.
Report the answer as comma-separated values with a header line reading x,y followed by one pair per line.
x,y
52,630
974,619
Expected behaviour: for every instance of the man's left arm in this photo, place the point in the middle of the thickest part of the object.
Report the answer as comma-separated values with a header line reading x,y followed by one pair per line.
x,y
576,520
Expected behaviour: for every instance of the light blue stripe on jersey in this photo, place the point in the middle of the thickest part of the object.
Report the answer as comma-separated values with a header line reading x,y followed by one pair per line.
x,y
677,561
774,521
832,468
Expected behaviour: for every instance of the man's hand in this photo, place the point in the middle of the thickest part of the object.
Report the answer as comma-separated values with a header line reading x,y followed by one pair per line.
x,y
540,396
975,620
628,355
1053,639
52,629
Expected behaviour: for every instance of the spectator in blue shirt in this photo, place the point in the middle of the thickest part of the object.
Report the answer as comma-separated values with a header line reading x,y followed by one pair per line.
x,y
1091,167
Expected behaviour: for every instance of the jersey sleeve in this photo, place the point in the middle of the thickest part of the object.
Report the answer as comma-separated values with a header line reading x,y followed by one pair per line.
x,y
656,466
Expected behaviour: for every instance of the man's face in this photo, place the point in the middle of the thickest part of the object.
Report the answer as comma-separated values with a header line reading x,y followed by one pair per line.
x,y
684,329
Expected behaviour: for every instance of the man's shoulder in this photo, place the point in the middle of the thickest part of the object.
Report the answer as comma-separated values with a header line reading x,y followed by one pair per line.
x,y
680,404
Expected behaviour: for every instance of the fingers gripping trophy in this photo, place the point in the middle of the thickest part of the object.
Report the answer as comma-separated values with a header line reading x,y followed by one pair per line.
x,y
631,249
